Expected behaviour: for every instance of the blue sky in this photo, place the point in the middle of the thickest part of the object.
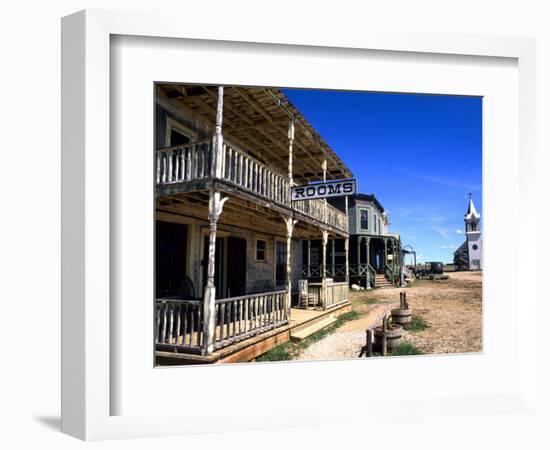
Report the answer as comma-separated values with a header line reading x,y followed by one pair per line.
x,y
419,154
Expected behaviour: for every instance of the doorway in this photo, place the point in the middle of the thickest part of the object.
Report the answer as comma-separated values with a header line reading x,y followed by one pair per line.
x,y
230,266
236,267
170,258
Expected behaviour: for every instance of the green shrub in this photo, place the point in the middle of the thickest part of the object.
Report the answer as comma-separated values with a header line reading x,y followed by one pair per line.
x,y
417,324
406,348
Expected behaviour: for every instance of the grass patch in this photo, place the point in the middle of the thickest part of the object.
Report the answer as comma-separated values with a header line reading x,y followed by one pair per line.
x,y
282,352
406,348
417,324
288,350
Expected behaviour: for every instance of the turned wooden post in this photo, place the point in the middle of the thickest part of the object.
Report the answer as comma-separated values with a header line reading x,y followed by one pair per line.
x,y
308,258
324,270
215,207
217,156
290,146
333,258
289,222
385,253
367,241
346,243
346,249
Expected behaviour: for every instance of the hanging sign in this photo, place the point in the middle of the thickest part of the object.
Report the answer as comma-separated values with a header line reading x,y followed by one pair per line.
x,y
324,190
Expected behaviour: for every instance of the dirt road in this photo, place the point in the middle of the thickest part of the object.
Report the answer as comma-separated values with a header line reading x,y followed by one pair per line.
x,y
451,308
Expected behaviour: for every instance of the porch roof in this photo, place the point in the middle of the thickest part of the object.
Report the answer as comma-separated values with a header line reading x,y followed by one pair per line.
x,y
257,119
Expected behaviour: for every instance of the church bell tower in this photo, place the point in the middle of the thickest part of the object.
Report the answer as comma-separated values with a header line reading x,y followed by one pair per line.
x,y
473,236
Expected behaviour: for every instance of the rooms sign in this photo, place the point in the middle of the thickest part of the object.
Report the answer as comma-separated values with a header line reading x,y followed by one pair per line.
x,y
324,190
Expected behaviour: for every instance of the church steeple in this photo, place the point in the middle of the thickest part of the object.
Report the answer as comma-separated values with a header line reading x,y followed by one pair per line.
x,y
472,217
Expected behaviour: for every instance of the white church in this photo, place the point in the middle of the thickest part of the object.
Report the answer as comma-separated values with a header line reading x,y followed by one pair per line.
x,y
469,255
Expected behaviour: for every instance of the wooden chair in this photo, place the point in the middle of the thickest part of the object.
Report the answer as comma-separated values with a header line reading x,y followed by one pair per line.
x,y
305,298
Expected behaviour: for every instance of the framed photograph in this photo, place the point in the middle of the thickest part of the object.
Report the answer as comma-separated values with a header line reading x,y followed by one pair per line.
x,y
236,204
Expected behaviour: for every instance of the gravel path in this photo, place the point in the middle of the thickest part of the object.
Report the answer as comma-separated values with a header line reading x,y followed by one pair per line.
x,y
452,309
346,342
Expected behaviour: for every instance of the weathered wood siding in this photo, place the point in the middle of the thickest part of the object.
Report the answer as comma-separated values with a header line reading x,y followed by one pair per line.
x,y
260,276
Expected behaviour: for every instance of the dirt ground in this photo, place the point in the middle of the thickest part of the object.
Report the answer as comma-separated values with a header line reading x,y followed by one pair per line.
x,y
452,309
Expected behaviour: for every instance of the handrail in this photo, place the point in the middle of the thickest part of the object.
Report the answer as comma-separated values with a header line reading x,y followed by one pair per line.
x,y
372,274
390,274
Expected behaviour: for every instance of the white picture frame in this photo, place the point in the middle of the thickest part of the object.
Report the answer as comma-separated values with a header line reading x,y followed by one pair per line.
x,y
87,354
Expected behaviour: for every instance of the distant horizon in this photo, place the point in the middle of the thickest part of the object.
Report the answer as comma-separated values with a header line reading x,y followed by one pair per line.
x,y
419,154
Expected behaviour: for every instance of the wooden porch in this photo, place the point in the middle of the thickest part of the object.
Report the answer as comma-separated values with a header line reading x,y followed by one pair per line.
x,y
302,323
235,179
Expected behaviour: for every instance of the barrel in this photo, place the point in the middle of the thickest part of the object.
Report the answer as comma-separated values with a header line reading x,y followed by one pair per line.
x,y
393,336
401,316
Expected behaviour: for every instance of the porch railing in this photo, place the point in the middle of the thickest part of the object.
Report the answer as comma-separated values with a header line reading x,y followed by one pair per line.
x,y
392,276
194,161
360,271
239,318
316,271
179,325
336,293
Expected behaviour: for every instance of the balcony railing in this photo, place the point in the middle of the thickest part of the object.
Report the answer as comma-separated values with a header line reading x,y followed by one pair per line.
x,y
194,161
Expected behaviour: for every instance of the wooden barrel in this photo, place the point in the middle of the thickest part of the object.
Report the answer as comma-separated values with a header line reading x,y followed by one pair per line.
x,y
393,336
401,316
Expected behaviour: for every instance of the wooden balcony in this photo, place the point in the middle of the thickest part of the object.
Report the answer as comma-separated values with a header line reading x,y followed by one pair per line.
x,y
189,167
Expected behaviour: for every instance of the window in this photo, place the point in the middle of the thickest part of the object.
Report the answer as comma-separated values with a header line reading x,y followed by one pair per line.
x,y
474,247
177,134
260,250
375,224
364,217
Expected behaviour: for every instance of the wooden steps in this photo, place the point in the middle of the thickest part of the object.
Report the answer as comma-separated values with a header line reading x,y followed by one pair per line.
x,y
381,282
301,333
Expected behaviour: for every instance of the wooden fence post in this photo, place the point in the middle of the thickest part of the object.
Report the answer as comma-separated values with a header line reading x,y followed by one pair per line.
x,y
369,342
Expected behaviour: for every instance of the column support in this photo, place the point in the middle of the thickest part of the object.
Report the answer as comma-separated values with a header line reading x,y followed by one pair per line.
x,y
333,258
308,258
290,147
346,249
324,272
289,222
401,266
346,242
367,242
217,159
215,208
385,252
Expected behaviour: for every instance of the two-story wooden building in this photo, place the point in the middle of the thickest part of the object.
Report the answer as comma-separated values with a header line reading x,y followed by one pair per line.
x,y
228,237
375,257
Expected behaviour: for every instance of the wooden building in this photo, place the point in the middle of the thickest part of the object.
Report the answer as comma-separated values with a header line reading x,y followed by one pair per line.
x,y
229,240
375,256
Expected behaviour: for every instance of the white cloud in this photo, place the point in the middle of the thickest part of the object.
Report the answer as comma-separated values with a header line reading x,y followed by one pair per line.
x,y
447,246
459,231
